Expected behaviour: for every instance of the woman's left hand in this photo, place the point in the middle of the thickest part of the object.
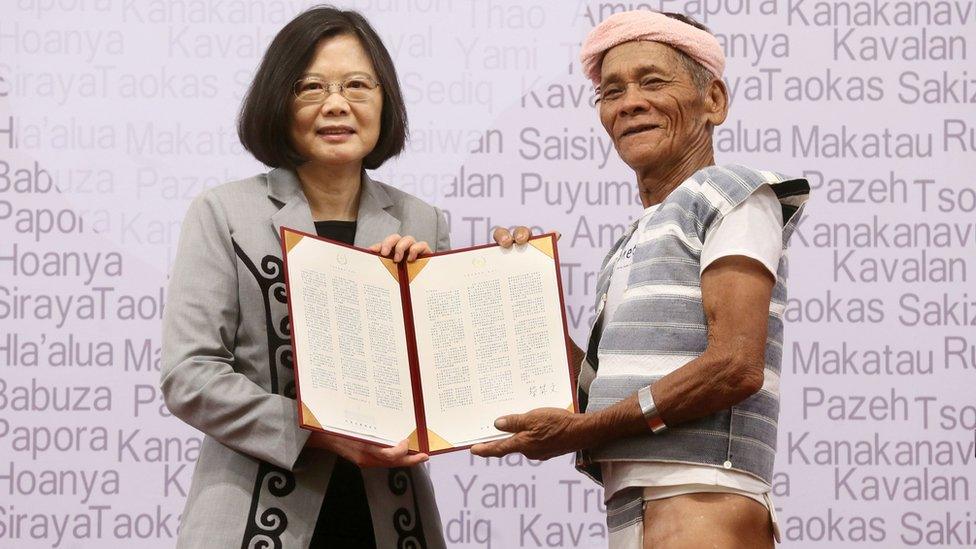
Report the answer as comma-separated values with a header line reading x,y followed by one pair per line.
x,y
401,247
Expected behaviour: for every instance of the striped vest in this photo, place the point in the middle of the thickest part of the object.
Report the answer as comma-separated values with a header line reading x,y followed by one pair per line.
x,y
660,325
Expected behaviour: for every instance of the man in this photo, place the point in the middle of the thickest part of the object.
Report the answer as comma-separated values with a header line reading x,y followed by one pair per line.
x,y
680,379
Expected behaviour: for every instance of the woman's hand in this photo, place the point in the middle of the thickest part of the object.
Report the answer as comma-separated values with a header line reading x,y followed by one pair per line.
x,y
400,247
364,454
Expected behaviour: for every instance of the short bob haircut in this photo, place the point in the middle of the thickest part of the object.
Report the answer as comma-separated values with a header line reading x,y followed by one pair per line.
x,y
266,116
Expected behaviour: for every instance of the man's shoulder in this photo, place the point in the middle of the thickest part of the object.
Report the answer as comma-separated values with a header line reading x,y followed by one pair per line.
x,y
724,186
737,174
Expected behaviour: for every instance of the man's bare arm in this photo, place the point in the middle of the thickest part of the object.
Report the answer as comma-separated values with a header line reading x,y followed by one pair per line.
x,y
736,292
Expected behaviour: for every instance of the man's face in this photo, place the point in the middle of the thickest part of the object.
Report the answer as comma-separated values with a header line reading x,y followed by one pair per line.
x,y
661,116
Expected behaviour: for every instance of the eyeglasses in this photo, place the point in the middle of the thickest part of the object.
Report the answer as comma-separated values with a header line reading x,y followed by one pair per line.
x,y
313,89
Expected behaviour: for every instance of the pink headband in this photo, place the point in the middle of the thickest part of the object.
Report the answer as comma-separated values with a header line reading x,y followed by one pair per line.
x,y
653,27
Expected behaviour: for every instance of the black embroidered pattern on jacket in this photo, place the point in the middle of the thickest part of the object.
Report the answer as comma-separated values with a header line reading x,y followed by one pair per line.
x,y
264,531
271,279
409,527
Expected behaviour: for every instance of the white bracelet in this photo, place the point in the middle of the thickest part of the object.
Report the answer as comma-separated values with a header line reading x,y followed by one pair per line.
x,y
649,410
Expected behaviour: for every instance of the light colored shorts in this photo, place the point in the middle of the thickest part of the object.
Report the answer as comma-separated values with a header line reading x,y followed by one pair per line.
x,y
632,536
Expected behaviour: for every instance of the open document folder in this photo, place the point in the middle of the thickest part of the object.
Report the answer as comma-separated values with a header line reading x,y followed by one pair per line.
x,y
432,350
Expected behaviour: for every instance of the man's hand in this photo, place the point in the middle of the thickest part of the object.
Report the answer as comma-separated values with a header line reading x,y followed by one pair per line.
x,y
542,433
400,247
505,238
366,455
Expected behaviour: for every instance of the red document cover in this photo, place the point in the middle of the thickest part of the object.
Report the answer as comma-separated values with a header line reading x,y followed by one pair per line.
x,y
431,351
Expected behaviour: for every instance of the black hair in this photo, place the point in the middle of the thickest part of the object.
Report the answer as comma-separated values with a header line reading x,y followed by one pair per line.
x,y
264,123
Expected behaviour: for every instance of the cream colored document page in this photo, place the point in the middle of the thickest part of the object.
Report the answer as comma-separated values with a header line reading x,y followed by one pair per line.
x,y
353,371
490,340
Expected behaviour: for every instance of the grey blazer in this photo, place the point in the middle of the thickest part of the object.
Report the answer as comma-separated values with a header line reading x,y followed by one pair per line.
x,y
227,370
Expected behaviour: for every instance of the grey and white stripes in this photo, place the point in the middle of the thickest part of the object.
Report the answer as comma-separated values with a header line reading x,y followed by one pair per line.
x,y
660,325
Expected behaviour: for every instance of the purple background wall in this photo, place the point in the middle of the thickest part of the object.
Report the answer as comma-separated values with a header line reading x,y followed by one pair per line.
x,y
114,114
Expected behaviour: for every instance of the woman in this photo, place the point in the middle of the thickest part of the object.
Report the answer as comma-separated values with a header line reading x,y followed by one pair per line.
x,y
325,105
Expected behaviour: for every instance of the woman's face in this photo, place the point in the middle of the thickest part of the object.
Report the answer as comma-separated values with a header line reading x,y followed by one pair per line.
x,y
337,132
